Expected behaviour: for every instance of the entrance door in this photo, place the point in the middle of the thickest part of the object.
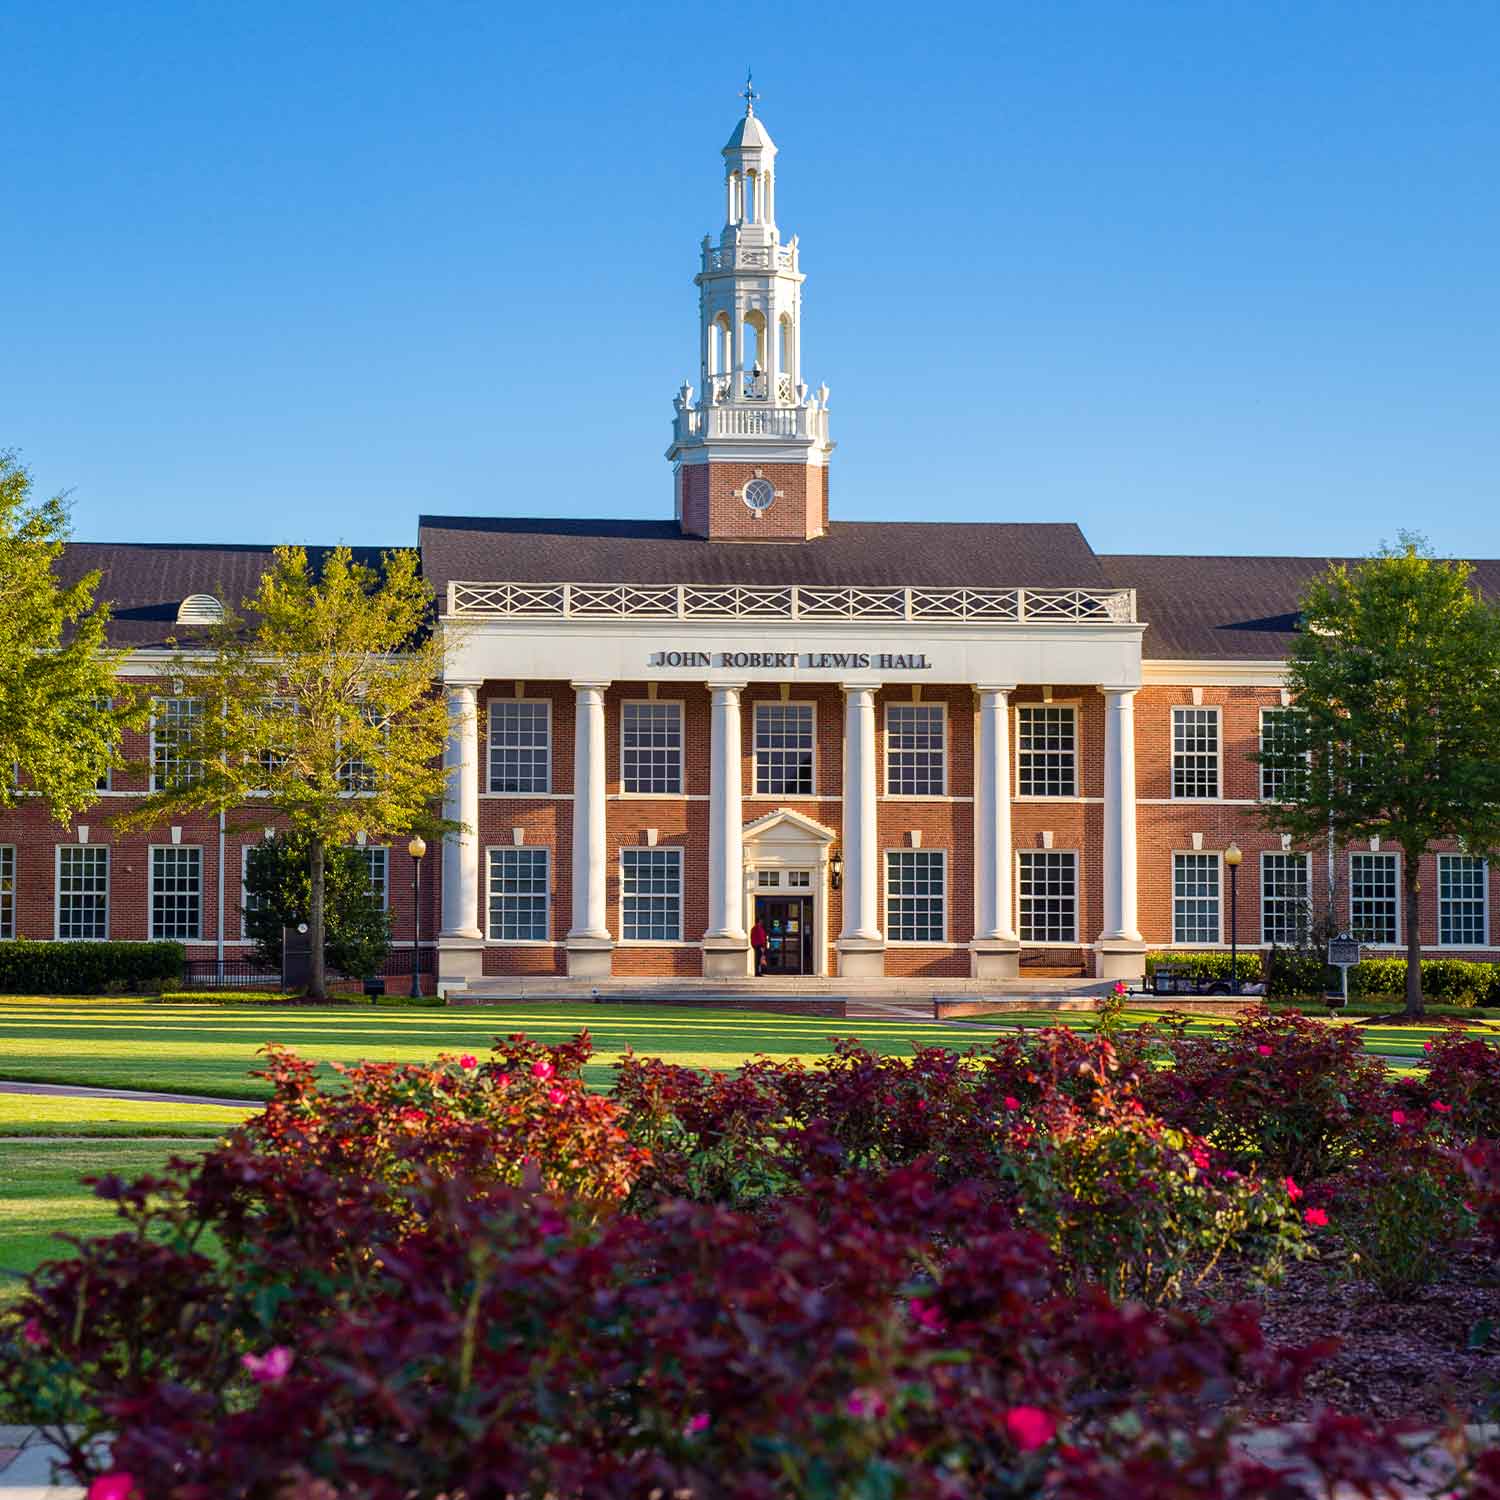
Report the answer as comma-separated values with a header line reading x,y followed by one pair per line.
x,y
788,921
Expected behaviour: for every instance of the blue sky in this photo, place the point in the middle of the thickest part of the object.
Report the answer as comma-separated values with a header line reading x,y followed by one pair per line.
x,y
1199,276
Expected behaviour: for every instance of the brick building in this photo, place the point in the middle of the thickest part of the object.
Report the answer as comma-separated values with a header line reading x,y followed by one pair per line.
x,y
906,748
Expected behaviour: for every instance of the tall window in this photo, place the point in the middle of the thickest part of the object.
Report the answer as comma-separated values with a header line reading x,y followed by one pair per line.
x,y
1046,751
915,896
651,748
1195,752
1048,890
377,862
272,757
356,774
1195,899
518,895
651,895
1463,880
1373,910
82,893
915,750
1285,898
248,901
176,893
784,735
103,705
7,891
520,745
174,738
1276,729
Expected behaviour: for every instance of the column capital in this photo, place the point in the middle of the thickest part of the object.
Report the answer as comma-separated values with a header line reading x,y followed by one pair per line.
x,y
587,684
850,688
461,687
727,687
1120,692
995,687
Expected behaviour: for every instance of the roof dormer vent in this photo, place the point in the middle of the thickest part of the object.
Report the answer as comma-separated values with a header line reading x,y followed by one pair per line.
x,y
200,609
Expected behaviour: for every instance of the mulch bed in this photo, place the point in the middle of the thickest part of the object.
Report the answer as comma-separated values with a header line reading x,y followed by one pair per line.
x,y
1405,1358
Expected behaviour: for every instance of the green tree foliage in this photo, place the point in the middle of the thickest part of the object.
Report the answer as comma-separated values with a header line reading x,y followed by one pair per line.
x,y
319,705
278,889
1395,676
58,727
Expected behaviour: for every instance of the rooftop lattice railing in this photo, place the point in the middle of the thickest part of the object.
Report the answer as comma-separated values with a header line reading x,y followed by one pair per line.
x,y
797,601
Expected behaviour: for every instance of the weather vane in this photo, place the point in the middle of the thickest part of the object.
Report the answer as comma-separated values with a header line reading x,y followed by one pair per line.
x,y
748,93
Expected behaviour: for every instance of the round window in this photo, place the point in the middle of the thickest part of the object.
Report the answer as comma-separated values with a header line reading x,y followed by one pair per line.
x,y
759,494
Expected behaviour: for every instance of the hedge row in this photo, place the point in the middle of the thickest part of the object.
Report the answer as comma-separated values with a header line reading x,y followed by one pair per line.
x,y
1455,981
29,968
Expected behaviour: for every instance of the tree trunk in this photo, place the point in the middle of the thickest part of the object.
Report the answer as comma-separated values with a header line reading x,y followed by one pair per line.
x,y
317,987
1412,869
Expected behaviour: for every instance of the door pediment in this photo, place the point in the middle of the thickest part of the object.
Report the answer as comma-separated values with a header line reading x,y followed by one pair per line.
x,y
784,827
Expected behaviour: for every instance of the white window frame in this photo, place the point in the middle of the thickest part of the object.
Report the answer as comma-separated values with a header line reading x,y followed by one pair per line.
x,y
155,783
106,782
1287,854
353,772
946,755
385,851
1075,855
681,853
811,706
489,746
546,940
1484,899
1077,792
1218,717
1394,858
885,870
244,889
657,703
152,851
1217,856
8,893
57,864
1261,772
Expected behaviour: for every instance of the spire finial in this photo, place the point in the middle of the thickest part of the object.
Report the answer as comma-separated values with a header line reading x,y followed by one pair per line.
x,y
748,93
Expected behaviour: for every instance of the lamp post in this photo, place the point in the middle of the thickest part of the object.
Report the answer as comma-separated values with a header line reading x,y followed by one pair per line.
x,y
1232,858
417,848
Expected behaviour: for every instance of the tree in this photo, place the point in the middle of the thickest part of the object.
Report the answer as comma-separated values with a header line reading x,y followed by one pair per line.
x,y
1395,682
61,709
278,890
320,704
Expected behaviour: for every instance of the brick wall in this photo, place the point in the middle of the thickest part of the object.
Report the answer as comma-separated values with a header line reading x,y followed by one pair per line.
x,y
710,506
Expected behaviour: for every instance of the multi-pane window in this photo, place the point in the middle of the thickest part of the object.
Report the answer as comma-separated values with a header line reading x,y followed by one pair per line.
x,y
7,891
1462,882
377,862
176,893
1195,752
651,895
915,750
799,879
174,738
273,757
1277,734
915,895
356,773
1048,892
103,706
1285,898
1373,898
82,893
1195,899
784,749
1046,751
520,745
249,902
518,895
651,747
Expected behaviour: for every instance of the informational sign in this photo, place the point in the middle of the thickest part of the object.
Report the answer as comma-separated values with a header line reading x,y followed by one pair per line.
x,y
856,661
1343,954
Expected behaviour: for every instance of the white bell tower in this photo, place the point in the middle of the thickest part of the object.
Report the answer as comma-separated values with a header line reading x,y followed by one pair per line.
x,y
751,454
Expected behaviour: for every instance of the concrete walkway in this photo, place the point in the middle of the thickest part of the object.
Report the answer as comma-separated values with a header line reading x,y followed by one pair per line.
x,y
78,1091
26,1460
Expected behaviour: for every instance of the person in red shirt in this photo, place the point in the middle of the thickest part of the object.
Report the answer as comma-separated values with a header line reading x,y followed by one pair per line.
x,y
758,942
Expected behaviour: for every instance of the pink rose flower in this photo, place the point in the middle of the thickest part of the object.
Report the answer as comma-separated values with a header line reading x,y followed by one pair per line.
x,y
270,1368
1011,1102
698,1422
502,1080
1427,1046
925,1314
542,1069
1029,1427
1316,1217
556,1096
1264,1050
1398,1117
1441,1108
1292,1190
116,1486
31,1333
467,1061
1201,1158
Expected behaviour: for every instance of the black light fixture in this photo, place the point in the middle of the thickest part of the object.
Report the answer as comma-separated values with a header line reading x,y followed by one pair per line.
x,y
836,870
1232,858
417,848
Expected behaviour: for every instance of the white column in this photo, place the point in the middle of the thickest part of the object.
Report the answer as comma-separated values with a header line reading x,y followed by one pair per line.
x,y
726,948
1121,951
861,945
995,952
588,940
461,805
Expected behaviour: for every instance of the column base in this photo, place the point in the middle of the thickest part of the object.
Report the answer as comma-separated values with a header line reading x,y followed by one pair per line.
x,y
993,958
861,958
459,960
590,958
1119,958
726,958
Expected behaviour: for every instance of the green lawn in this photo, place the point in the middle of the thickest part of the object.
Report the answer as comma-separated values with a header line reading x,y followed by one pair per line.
x,y
37,1115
